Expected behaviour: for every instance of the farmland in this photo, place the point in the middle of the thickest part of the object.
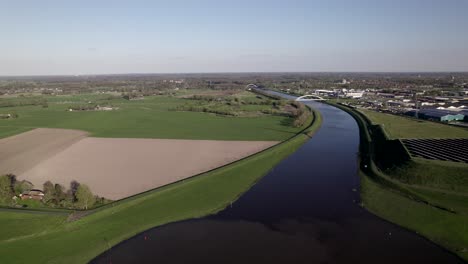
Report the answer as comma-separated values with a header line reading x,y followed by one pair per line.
x,y
21,152
152,117
116,168
77,242
135,136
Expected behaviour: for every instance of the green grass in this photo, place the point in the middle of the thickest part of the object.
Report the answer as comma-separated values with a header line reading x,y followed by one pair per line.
x,y
444,228
80,241
31,204
453,201
21,225
403,127
433,173
148,118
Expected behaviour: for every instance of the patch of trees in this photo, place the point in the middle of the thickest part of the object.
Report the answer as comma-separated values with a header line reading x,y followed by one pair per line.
x,y
86,107
10,186
6,191
205,109
23,101
208,98
300,113
232,106
136,95
236,101
78,196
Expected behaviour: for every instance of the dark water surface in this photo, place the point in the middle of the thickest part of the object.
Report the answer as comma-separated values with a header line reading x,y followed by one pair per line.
x,y
304,211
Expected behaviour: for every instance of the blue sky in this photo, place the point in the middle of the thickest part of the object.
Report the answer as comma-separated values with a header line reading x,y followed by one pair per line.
x,y
96,37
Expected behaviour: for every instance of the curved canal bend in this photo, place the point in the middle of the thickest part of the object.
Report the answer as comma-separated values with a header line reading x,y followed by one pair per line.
x,y
304,211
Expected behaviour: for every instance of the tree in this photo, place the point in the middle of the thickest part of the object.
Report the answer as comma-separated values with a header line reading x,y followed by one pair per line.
x,y
49,192
85,197
69,199
74,185
12,178
59,192
22,186
6,192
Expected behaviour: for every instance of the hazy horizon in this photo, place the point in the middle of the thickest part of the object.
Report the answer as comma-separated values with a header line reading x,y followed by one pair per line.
x,y
239,72
170,37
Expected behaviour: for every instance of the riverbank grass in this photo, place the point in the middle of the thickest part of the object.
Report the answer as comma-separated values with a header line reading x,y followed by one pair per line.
x,y
426,196
442,227
405,127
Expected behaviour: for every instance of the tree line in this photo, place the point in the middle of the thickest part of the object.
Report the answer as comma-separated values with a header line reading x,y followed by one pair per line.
x,y
25,101
77,196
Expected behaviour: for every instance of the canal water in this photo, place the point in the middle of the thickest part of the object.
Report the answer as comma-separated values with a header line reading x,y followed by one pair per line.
x,y
306,210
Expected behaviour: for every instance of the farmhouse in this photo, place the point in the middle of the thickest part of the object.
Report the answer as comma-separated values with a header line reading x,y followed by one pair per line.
x,y
32,194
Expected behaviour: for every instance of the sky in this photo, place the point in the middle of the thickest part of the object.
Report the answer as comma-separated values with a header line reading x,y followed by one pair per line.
x,y
112,37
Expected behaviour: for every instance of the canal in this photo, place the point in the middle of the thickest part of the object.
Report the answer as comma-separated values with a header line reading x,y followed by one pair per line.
x,y
306,210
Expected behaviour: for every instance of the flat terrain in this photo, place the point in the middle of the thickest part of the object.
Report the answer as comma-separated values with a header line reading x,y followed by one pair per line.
x,y
21,152
151,117
403,127
116,168
51,239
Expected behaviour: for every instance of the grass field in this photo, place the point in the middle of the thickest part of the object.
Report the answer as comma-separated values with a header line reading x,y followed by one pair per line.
x,y
148,118
444,228
53,240
444,175
419,195
403,127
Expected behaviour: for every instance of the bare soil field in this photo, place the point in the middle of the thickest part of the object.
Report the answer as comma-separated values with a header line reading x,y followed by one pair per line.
x,y
23,151
115,168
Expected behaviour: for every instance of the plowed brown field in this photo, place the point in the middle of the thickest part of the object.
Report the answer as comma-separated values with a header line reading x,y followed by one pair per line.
x,y
114,167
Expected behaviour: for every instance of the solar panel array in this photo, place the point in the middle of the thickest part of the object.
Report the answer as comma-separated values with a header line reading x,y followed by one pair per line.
x,y
453,149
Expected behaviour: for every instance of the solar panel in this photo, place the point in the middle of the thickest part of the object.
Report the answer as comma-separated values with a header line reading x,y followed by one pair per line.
x,y
455,149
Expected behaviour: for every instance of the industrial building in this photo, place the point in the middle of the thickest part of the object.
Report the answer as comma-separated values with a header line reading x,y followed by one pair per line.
x,y
440,115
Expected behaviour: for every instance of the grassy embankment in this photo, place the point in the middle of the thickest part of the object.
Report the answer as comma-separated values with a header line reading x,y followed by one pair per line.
x,y
31,237
405,127
451,177
148,118
426,204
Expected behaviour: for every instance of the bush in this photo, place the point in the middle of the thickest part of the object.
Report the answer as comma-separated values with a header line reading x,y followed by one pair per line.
x,y
84,197
301,114
6,192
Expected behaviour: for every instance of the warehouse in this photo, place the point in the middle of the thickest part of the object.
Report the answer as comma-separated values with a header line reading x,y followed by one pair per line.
x,y
440,115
